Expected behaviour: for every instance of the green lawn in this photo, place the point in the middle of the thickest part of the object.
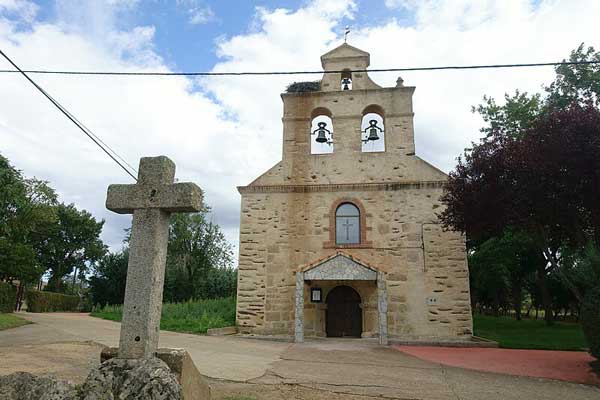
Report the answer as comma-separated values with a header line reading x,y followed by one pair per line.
x,y
529,333
11,321
190,317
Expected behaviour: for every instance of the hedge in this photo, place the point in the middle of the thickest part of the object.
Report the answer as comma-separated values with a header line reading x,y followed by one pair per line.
x,y
8,297
590,320
38,301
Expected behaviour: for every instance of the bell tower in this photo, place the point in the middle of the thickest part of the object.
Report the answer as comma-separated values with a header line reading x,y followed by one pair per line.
x,y
347,129
350,211
346,58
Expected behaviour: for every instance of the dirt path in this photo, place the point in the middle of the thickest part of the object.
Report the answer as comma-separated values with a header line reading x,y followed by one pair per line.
x,y
60,345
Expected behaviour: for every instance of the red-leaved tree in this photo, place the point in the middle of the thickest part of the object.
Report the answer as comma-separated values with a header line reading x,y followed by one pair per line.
x,y
543,180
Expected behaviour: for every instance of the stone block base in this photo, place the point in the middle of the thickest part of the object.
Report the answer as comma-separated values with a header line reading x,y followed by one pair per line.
x,y
228,330
195,386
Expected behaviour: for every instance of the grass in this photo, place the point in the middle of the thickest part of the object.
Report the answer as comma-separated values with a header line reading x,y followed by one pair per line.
x,y
529,333
8,321
194,316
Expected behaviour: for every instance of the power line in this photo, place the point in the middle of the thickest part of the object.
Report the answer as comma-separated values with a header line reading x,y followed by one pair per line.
x,y
451,67
73,119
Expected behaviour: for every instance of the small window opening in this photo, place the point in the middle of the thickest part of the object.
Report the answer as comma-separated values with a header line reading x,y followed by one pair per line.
x,y
347,224
346,81
372,133
321,135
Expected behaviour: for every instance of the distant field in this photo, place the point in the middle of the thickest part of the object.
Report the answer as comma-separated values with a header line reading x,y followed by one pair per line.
x,y
11,321
191,317
529,333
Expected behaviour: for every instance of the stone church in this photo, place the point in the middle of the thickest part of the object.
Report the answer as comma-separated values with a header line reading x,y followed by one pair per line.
x,y
340,238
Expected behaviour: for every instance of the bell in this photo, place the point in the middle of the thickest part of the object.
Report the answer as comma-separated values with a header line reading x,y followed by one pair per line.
x,y
373,130
321,136
373,134
346,83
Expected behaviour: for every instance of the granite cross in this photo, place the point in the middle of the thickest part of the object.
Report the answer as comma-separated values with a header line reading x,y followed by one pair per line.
x,y
151,201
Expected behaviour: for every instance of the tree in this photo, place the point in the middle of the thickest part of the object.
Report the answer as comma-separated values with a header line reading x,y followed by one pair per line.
x,y
500,268
107,284
199,264
199,259
536,171
72,244
542,182
26,211
579,83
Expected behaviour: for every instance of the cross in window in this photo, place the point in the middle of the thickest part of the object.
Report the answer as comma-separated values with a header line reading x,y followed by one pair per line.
x,y
347,225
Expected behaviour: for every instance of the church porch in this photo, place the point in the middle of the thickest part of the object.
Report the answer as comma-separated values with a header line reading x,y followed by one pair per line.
x,y
340,297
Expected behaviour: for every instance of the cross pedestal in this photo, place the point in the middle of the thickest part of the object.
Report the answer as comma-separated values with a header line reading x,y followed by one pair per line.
x,y
151,201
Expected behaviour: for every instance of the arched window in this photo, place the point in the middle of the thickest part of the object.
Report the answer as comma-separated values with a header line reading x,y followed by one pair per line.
x,y
321,132
347,224
372,130
346,81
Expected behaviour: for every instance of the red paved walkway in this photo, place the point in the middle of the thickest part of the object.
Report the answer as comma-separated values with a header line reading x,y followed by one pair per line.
x,y
572,366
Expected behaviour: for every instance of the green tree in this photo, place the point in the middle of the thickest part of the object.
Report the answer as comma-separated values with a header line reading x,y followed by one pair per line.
x,y
578,83
501,267
536,171
199,259
107,284
26,212
72,244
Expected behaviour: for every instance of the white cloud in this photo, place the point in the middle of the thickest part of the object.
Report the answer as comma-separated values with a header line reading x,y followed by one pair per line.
x,y
202,15
233,135
198,12
399,3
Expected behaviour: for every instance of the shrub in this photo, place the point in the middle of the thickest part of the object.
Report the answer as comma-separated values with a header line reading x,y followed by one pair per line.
x,y
8,296
193,316
38,301
590,320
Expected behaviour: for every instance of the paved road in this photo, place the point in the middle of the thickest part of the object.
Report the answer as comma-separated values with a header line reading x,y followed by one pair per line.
x,y
217,357
345,369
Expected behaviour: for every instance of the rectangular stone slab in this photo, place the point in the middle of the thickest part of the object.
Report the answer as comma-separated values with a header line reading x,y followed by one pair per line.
x,y
178,197
195,386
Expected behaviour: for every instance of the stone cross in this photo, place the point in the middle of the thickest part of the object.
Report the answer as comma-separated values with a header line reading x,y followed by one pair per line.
x,y
151,201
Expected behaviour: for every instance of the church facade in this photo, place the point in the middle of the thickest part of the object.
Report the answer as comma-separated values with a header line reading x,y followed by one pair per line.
x,y
341,238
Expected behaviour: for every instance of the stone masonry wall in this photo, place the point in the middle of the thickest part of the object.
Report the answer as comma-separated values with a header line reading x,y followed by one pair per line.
x,y
286,216
282,231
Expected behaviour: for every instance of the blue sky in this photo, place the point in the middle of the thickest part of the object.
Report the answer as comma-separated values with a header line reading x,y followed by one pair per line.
x,y
223,132
188,44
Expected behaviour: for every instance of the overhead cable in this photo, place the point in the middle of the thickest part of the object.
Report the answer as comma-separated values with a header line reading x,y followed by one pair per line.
x,y
253,73
72,118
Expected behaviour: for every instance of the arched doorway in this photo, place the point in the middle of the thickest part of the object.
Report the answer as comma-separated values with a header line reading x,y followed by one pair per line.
x,y
344,315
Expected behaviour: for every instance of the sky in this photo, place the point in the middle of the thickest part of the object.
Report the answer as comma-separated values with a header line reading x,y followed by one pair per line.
x,y
223,132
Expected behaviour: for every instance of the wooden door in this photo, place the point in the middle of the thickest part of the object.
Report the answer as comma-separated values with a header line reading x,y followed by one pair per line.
x,y
344,315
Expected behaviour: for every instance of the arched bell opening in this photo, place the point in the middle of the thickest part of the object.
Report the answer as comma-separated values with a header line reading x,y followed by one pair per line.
x,y
346,80
373,130
344,315
321,132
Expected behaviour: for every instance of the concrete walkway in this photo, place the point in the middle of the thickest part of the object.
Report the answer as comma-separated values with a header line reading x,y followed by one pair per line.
x,y
216,357
323,369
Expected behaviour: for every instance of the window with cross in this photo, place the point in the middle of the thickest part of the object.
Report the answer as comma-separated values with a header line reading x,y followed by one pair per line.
x,y
347,224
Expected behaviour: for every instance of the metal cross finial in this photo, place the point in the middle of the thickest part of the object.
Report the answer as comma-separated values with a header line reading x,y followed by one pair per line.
x,y
346,34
